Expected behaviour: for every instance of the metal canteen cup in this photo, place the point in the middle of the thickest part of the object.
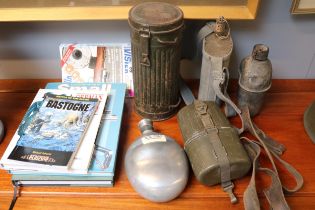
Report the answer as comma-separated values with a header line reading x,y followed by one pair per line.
x,y
156,166
254,79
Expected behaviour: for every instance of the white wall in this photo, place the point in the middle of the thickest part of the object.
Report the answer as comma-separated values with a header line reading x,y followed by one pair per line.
x,y
291,39
30,49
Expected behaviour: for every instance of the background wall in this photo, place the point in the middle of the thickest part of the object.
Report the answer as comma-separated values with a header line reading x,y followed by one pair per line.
x,y
30,49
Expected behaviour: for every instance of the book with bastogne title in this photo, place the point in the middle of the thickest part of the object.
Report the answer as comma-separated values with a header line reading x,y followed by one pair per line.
x,y
102,167
50,133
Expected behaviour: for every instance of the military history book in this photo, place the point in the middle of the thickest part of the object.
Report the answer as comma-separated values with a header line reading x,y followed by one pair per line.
x,y
51,131
102,166
106,144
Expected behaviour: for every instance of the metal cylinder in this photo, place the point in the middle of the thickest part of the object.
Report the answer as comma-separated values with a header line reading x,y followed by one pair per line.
x,y
156,35
254,79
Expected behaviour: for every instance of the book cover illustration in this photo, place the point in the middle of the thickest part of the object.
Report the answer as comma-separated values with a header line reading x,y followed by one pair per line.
x,y
109,63
105,152
52,129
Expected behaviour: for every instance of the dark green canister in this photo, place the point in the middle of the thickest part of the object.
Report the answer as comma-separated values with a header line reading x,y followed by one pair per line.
x,y
156,35
212,145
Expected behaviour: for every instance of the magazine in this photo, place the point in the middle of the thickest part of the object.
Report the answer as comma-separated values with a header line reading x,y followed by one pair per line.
x,y
51,131
109,63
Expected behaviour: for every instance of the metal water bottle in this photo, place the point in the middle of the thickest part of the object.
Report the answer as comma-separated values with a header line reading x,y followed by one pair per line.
x,y
156,166
254,79
217,47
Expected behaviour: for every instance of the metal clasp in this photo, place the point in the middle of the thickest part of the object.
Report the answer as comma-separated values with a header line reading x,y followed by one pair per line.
x,y
201,107
145,45
228,188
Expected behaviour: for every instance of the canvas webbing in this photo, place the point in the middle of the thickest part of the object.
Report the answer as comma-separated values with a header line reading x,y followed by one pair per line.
x,y
221,154
274,193
219,79
204,32
219,74
223,161
273,149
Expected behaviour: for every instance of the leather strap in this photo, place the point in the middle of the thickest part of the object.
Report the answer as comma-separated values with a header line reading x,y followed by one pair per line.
x,y
274,193
221,154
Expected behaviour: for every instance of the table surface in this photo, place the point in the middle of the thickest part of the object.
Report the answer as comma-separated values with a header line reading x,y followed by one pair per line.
x,y
281,118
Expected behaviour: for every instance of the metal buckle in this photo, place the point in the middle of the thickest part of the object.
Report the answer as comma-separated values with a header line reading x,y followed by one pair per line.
x,y
201,107
228,188
145,34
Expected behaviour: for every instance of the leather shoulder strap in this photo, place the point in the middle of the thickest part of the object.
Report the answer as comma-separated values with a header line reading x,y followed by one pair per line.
x,y
275,192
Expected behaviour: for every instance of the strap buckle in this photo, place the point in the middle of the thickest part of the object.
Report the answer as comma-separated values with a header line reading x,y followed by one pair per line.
x,y
228,188
145,45
201,107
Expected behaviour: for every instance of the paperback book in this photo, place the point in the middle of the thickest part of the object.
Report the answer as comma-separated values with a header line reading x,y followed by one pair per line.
x,y
102,166
51,132
105,153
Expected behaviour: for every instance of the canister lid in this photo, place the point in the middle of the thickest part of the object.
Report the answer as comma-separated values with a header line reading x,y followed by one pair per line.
x,y
159,16
260,52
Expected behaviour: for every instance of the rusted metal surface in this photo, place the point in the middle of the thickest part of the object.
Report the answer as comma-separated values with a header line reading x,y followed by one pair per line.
x,y
156,34
254,79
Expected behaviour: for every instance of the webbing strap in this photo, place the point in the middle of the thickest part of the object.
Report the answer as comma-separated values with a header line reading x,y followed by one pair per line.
x,y
205,31
221,154
15,194
219,80
274,193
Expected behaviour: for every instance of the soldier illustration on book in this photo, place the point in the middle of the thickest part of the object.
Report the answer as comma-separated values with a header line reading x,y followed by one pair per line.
x,y
38,123
30,114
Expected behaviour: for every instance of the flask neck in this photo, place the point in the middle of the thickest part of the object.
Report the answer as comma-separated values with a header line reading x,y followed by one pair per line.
x,y
222,29
260,52
145,126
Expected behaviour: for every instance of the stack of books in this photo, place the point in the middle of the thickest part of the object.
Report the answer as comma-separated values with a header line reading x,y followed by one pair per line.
x,y
68,136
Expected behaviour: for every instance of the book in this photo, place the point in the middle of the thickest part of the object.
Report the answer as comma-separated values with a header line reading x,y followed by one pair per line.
x,y
29,180
51,182
103,161
104,62
51,132
105,153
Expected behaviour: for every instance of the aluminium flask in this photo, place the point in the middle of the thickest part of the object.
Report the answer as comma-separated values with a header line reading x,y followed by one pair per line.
x,y
156,166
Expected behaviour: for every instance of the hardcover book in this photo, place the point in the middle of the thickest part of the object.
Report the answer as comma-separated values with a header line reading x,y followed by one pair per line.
x,y
102,167
51,131
29,180
105,153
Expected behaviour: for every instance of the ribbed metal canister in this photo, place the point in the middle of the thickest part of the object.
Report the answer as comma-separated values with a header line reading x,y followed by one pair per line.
x,y
156,34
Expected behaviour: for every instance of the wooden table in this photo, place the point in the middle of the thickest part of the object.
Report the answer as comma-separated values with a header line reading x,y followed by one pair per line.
x,y
281,118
